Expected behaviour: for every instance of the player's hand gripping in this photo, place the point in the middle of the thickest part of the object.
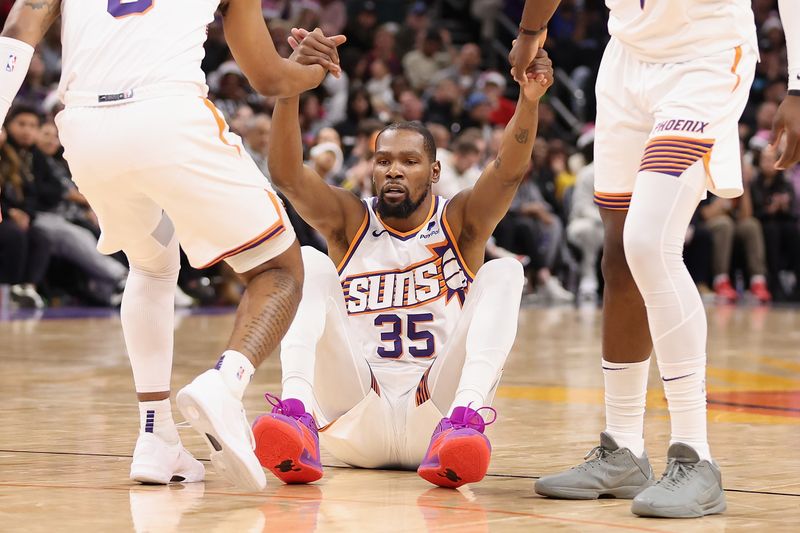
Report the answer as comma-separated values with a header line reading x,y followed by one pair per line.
x,y
787,121
538,76
523,51
314,48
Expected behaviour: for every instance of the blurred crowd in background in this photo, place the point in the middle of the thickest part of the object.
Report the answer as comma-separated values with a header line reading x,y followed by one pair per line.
x,y
441,62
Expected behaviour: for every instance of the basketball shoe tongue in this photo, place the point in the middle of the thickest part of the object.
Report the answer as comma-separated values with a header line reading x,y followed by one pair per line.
x,y
292,408
463,417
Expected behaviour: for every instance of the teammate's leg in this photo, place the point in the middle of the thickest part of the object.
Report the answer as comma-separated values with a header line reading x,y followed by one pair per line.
x,y
618,466
463,380
212,403
316,346
147,316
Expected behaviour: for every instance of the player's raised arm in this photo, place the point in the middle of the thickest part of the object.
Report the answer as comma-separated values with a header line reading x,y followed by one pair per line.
x,y
268,73
477,211
26,25
787,119
332,211
532,34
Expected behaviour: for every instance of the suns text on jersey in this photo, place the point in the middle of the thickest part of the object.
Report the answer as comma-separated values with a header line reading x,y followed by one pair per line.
x,y
439,276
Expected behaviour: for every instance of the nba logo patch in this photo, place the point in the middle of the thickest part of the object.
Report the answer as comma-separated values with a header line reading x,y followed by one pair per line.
x,y
240,373
11,64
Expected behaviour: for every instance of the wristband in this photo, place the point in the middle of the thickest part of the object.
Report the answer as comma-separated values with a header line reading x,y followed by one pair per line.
x,y
532,33
794,92
15,59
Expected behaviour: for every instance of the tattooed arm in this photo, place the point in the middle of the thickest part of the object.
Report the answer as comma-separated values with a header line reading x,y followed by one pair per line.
x,y
29,20
473,213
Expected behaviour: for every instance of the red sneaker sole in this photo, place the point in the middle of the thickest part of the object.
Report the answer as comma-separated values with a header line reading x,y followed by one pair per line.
x,y
279,449
462,460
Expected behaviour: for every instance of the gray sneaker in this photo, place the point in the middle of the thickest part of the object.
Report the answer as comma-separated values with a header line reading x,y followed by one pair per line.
x,y
689,488
613,471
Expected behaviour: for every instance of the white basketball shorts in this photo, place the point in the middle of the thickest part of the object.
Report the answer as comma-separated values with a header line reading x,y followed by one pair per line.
x,y
174,154
669,118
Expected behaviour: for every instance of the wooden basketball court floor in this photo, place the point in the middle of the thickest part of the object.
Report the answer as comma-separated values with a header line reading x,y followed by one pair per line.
x,y
69,422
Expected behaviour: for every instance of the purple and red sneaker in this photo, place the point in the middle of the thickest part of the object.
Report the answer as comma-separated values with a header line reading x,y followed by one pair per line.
x,y
459,452
287,443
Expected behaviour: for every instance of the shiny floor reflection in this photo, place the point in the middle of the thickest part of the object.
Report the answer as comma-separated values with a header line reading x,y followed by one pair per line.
x,y
70,420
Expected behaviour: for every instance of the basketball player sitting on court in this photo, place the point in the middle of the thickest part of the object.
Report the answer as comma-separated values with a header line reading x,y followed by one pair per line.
x,y
672,85
129,66
402,332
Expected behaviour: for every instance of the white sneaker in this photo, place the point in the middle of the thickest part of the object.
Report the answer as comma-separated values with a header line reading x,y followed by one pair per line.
x,y
556,293
209,406
26,296
182,300
587,289
155,461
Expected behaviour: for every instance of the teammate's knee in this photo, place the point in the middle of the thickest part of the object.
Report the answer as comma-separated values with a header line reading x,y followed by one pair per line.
x,y
614,265
506,272
151,259
641,246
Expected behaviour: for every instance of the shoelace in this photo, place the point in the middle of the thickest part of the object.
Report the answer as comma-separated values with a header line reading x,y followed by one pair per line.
x,y
599,453
467,419
283,409
675,475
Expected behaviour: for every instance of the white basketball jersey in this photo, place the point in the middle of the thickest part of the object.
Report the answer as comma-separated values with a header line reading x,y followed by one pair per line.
x,y
113,46
404,293
673,31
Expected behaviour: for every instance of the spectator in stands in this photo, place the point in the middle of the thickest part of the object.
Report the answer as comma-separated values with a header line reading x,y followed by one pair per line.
x,y
34,90
466,69
379,85
493,85
477,113
773,205
416,23
731,221
69,241
256,140
24,249
74,206
549,128
462,171
532,229
443,104
312,115
359,108
383,49
434,53
585,229
411,107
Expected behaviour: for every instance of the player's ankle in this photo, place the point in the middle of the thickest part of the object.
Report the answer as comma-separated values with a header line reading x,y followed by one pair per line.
x,y
236,370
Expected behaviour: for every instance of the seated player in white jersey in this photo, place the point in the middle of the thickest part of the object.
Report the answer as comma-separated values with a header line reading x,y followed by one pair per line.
x,y
402,332
672,85
159,167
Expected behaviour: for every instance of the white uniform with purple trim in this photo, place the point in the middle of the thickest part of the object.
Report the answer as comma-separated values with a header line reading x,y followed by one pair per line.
x,y
141,138
404,294
672,85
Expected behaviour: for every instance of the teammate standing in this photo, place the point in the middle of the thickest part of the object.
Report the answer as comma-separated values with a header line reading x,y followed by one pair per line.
x,y
159,166
411,329
672,85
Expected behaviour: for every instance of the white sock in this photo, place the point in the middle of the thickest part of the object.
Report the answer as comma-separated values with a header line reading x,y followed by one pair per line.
x,y
300,389
156,418
625,397
236,370
685,388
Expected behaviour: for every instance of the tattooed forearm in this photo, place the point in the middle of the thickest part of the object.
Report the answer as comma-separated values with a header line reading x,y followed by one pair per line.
x,y
522,136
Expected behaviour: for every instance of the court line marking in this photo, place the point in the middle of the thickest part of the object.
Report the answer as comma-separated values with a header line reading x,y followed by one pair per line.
x,y
344,500
499,475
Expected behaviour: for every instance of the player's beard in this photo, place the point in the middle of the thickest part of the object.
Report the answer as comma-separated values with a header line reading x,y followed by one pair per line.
x,y
402,210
